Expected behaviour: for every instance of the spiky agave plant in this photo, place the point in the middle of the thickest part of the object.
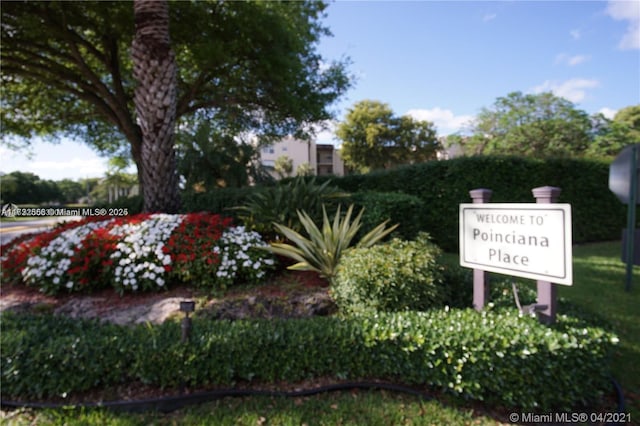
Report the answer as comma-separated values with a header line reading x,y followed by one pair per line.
x,y
322,250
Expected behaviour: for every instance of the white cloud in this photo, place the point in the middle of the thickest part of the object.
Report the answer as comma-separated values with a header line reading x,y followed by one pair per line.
x,y
575,34
489,17
445,120
66,159
573,90
574,60
608,112
577,59
624,10
81,165
325,132
326,137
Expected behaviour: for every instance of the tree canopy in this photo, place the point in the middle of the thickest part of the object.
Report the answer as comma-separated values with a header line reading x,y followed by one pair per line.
x,y
630,118
532,125
544,125
246,66
374,138
26,188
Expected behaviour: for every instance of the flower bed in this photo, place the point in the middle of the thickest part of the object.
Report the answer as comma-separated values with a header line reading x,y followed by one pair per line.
x,y
141,252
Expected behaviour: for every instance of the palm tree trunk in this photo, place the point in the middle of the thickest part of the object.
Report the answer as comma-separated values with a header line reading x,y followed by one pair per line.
x,y
154,68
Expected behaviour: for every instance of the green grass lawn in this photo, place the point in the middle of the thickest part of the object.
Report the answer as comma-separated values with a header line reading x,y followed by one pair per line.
x,y
342,408
598,289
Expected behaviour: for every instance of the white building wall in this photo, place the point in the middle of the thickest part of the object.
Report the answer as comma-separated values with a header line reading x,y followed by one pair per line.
x,y
300,152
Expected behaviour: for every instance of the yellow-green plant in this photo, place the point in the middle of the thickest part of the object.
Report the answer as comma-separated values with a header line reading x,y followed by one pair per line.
x,y
322,250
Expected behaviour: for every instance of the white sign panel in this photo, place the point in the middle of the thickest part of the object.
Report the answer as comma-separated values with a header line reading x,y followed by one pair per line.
x,y
525,240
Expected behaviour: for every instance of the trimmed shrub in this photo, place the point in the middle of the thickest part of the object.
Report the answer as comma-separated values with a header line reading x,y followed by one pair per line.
x,y
396,276
403,209
457,286
496,356
218,200
597,215
132,205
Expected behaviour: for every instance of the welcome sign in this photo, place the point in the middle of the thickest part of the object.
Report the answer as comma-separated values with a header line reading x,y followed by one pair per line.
x,y
524,240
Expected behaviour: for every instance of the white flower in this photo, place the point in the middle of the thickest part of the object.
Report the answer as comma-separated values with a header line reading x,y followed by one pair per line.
x,y
51,264
142,243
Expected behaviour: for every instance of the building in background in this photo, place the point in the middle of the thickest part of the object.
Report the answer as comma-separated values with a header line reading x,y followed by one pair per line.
x,y
324,159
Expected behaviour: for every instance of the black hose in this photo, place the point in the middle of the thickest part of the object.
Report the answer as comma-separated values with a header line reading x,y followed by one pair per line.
x,y
172,403
619,398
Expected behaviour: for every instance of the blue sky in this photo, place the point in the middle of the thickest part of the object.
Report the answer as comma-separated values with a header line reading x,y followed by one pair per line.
x,y
444,61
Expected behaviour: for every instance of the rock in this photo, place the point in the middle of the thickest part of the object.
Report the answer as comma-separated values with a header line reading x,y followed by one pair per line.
x,y
154,313
264,302
317,303
78,308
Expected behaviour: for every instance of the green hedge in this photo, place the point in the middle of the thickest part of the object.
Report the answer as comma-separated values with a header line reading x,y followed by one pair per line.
x,y
442,185
496,356
404,209
133,204
220,200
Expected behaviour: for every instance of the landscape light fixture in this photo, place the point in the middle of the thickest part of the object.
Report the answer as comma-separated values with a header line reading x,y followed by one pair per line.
x,y
186,307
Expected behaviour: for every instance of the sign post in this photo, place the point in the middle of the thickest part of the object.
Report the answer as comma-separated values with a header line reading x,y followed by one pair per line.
x,y
525,240
547,292
631,215
623,182
480,277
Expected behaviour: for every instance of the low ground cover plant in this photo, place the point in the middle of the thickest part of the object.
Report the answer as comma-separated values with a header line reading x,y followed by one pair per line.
x,y
497,356
140,252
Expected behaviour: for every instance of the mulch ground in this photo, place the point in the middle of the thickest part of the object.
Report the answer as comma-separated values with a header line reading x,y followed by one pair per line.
x,y
108,299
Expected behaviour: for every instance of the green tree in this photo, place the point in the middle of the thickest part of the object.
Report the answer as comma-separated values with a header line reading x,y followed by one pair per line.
x,y
630,117
532,125
611,136
247,66
283,166
374,138
27,188
90,185
71,191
